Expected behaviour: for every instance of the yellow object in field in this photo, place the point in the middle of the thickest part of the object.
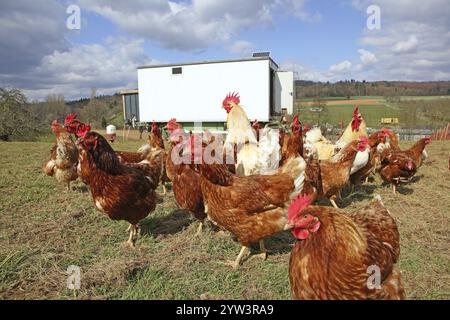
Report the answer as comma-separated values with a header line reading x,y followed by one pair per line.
x,y
389,120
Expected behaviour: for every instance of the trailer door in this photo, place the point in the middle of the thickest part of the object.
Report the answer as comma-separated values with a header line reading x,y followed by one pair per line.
x,y
286,82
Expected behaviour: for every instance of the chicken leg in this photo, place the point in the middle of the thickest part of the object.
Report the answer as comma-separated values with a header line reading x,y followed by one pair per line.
x,y
235,264
394,188
334,203
199,229
133,229
263,250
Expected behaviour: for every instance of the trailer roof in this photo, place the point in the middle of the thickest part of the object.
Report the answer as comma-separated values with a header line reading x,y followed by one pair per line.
x,y
129,91
208,62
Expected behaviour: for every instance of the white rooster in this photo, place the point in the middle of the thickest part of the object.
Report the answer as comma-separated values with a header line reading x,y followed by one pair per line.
x,y
252,157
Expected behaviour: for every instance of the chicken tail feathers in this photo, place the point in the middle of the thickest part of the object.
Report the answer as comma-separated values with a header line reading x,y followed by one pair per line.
x,y
295,167
247,159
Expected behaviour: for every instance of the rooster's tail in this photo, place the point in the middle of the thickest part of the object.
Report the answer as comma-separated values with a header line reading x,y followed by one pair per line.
x,y
247,159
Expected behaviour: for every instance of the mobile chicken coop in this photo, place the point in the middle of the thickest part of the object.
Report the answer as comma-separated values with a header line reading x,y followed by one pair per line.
x,y
193,92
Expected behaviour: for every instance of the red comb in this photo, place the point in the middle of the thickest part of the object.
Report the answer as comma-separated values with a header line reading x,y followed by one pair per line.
x,y
231,97
295,119
70,118
298,205
154,126
82,130
356,112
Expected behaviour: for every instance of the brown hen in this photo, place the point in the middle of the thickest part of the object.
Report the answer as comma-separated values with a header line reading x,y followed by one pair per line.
x,y
344,255
120,191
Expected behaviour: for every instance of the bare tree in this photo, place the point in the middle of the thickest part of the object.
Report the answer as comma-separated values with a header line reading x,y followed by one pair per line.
x,y
16,122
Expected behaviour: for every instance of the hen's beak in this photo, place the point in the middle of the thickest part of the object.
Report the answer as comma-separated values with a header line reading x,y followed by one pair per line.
x,y
289,225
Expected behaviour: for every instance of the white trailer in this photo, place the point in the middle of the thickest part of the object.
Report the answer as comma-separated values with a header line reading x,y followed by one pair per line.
x,y
193,92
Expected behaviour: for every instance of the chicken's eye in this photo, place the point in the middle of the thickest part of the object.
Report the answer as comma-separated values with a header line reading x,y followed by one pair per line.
x,y
305,216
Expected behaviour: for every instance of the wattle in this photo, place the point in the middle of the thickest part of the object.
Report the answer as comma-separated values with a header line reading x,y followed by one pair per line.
x,y
300,234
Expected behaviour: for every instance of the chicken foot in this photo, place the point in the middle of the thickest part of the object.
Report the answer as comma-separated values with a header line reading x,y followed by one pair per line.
x,y
133,229
236,263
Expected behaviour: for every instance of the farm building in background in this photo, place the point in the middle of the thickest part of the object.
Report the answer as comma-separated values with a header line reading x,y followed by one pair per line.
x,y
130,104
193,92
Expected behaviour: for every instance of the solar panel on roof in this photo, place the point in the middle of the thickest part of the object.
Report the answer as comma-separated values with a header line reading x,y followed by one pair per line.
x,y
261,54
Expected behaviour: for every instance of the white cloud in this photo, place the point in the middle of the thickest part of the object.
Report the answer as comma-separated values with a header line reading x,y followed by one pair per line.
x,y
409,45
304,72
109,67
195,24
242,48
341,67
297,7
335,72
413,42
35,55
367,57
29,30
184,25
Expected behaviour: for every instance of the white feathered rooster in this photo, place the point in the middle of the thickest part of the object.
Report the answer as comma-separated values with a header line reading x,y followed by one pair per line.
x,y
317,145
253,157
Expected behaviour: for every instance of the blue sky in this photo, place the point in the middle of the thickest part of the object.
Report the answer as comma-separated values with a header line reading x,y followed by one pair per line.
x,y
288,38
320,40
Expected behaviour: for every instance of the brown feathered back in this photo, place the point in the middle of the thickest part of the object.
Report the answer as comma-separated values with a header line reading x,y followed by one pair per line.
x,y
120,191
333,262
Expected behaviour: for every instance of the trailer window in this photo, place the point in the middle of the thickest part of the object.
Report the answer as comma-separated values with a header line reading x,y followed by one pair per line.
x,y
177,70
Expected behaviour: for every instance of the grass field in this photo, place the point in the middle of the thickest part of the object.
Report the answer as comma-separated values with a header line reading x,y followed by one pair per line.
x,y
337,113
44,229
373,108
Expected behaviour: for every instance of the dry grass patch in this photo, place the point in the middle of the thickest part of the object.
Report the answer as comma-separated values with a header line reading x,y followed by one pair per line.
x,y
43,230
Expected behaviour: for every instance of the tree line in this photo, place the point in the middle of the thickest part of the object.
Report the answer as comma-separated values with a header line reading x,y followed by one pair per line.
x,y
23,120
389,89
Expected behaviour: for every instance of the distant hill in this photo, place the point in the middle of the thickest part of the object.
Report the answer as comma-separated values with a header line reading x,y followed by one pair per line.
x,y
107,99
347,88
